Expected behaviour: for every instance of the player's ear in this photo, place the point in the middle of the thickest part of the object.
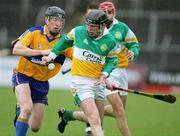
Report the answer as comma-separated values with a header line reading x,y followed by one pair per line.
x,y
114,13
46,20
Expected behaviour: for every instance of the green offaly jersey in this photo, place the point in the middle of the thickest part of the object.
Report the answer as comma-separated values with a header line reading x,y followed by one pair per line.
x,y
91,56
126,40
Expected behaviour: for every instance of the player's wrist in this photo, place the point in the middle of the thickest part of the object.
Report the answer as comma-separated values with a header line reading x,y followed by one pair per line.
x,y
52,55
106,74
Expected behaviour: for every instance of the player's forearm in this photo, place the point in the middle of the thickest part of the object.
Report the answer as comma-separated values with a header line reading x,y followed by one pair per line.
x,y
135,49
21,50
110,65
61,45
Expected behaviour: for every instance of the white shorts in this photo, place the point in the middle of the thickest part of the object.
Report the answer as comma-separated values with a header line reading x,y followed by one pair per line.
x,y
84,87
119,77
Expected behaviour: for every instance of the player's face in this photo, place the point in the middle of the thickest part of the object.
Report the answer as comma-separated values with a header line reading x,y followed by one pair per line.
x,y
54,25
95,30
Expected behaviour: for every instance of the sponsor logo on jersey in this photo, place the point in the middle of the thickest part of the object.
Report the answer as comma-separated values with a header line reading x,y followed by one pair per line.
x,y
36,60
103,47
118,35
93,58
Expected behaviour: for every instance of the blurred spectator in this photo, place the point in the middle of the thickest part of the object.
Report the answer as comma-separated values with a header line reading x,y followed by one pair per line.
x,y
3,37
25,9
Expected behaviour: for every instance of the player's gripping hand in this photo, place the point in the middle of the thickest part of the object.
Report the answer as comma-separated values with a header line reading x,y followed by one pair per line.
x,y
130,55
47,59
101,79
110,85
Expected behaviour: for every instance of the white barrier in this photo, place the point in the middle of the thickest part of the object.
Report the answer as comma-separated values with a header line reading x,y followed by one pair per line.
x,y
135,74
9,62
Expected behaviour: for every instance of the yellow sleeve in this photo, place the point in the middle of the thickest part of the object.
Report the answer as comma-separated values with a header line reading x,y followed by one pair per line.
x,y
69,52
26,38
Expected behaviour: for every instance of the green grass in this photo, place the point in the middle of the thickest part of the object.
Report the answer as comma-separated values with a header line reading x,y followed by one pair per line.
x,y
146,116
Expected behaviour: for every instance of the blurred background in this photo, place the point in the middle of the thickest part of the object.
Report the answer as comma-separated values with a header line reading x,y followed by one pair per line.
x,y
156,24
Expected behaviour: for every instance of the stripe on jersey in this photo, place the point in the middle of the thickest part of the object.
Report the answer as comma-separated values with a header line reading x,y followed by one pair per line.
x,y
84,68
114,51
131,40
130,37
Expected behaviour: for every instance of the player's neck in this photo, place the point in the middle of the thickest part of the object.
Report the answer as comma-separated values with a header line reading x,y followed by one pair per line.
x,y
49,35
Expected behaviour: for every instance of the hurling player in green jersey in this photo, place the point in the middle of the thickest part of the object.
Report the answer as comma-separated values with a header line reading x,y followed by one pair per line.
x,y
94,58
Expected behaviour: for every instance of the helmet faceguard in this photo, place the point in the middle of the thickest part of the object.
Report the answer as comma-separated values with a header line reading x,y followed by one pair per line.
x,y
94,30
95,23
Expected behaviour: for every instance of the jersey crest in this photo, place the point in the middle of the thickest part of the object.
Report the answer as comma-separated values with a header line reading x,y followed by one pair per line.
x,y
103,47
118,35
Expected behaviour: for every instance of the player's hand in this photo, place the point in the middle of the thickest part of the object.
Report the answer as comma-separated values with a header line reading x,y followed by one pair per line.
x,y
101,79
130,55
47,59
110,85
45,52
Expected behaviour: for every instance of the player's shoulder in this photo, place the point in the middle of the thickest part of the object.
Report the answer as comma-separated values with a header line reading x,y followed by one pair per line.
x,y
121,24
36,28
79,27
32,30
80,30
110,38
108,35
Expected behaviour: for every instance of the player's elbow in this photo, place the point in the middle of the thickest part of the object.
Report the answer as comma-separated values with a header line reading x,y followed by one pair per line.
x,y
16,47
14,51
13,43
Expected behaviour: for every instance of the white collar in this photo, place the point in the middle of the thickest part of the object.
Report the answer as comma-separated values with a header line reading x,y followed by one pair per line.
x,y
115,21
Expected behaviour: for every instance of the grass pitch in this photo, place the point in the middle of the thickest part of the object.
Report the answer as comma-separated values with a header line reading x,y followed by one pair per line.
x,y
146,116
